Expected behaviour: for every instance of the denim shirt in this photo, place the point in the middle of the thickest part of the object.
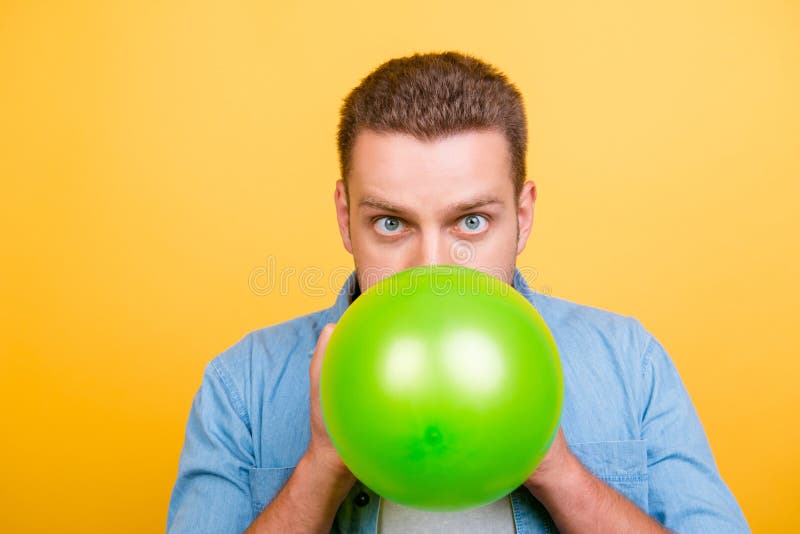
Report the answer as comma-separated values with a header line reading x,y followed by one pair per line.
x,y
626,416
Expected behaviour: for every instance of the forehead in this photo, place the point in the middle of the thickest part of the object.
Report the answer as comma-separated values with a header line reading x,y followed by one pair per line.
x,y
403,169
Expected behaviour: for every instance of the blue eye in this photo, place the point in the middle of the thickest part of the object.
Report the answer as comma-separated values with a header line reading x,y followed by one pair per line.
x,y
388,225
472,224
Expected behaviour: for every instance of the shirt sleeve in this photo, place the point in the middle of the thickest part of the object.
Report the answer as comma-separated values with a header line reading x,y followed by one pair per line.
x,y
686,492
212,491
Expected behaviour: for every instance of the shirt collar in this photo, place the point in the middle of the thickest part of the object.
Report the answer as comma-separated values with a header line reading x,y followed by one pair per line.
x,y
350,291
347,294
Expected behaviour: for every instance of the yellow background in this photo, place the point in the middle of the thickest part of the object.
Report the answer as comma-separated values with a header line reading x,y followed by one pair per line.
x,y
157,156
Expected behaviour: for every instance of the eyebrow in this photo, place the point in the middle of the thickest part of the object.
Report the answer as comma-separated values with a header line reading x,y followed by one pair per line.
x,y
373,202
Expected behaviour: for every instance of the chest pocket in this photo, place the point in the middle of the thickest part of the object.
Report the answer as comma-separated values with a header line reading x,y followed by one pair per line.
x,y
265,484
620,464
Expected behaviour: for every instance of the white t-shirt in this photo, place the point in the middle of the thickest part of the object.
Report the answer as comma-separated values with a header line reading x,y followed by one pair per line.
x,y
495,517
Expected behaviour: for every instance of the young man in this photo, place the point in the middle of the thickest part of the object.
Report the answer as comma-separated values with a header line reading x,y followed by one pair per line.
x,y
432,152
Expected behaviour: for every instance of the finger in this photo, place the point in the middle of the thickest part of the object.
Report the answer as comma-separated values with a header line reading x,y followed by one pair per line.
x,y
319,351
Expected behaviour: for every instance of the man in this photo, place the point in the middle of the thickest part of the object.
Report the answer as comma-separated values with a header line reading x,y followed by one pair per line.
x,y
432,153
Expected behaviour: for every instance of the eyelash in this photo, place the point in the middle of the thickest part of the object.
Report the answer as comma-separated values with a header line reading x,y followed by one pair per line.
x,y
375,219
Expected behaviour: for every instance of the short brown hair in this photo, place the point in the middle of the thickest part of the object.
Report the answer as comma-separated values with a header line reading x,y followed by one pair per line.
x,y
431,96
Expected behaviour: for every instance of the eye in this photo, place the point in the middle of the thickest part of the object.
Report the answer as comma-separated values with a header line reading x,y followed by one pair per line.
x,y
472,224
388,225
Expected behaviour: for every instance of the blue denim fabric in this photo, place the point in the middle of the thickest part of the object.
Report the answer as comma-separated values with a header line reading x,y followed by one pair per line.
x,y
626,416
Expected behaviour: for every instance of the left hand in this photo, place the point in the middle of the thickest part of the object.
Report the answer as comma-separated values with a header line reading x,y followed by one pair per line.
x,y
553,467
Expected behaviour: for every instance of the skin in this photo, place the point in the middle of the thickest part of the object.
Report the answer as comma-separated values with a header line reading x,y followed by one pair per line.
x,y
410,202
430,196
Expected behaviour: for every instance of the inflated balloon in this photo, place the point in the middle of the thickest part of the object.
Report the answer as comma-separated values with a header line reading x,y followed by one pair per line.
x,y
441,388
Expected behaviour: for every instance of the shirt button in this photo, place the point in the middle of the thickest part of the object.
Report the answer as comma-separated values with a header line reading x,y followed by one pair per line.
x,y
361,500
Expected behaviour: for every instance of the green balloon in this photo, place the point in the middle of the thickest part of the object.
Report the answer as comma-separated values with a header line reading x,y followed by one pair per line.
x,y
441,388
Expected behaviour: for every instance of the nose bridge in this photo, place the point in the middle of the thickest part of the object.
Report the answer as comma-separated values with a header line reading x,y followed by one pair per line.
x,y
433,247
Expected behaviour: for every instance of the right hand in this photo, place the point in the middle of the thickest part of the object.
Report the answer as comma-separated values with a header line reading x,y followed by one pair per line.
x,y
321,451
